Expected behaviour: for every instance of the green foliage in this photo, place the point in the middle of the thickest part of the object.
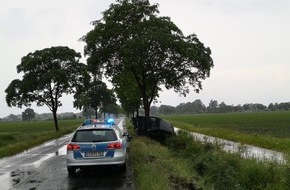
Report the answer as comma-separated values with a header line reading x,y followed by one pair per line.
x,y
156,168
132,38
166,110
96,95
127,92
47,75
269,176
221,170
28,114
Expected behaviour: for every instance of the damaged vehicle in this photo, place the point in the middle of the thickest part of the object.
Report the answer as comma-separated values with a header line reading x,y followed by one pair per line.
x,y
153,127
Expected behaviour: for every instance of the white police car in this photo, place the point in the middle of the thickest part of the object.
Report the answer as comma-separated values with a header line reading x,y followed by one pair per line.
x,y
95,144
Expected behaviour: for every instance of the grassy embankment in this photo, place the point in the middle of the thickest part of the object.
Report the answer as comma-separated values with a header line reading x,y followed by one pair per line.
x,y
181,163
18,136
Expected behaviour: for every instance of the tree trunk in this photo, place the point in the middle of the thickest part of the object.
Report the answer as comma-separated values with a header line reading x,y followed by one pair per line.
x,y
55,120
146,107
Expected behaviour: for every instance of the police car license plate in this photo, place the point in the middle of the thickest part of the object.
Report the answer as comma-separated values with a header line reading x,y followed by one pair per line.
x,y
94,154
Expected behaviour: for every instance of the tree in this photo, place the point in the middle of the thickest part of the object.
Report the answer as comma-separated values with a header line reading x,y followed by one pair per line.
x,y
132,38
166,109
153,110
112,108
246,107
109,104
212,106
94,95
88,112
223,108
127,93
284,106
28,114
13,117
271,107
47,75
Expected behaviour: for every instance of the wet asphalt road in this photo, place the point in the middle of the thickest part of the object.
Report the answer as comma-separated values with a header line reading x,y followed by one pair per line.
x,y
44,168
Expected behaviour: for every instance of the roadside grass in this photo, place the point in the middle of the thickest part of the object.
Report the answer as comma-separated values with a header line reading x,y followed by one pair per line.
x,y
16,137
181,163
269,130
156,168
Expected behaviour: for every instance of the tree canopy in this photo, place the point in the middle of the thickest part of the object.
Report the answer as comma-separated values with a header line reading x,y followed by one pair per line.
x,y
127,92
95,95
28,114
131,37
47,75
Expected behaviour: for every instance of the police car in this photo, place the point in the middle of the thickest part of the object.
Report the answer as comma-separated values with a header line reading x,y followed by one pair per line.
x,y
96,143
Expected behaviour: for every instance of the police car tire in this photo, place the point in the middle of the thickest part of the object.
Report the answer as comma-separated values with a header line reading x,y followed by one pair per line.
x,y
71,171
123,168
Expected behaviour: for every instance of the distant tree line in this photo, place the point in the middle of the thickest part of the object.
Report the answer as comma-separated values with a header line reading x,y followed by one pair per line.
x,y
214,107
30,115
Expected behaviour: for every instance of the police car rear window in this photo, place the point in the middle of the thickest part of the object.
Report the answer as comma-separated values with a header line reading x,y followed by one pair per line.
x,y
98,135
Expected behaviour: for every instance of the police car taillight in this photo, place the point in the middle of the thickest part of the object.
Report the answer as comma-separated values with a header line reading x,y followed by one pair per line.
x,y
73,147
116,145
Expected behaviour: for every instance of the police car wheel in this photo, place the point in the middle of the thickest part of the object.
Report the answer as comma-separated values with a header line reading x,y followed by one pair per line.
x,y
123,168
71,171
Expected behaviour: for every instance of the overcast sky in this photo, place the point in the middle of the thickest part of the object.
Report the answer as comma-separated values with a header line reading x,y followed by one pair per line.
x,y
249,40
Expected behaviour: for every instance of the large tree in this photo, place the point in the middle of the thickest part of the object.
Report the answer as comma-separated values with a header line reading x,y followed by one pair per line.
x,y
131,37
47,75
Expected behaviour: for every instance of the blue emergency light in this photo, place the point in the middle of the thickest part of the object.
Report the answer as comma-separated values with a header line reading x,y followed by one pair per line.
x,y
110,121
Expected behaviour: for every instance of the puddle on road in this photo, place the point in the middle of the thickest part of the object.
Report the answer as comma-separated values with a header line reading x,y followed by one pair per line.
x,y
19,175
15,176
246,151
11,179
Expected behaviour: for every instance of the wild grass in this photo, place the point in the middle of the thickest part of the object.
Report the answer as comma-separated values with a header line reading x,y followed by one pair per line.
x,y
221,170
156,167
16,137
265,129
181,163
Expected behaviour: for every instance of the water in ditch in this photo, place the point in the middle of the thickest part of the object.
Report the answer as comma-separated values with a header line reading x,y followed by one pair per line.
x,y
246,151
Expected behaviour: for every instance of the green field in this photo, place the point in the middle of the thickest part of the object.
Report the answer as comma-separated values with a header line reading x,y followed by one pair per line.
x,y
18,136
265,129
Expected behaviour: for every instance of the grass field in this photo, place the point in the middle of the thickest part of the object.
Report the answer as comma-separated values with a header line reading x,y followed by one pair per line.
x,y
265,129
18,136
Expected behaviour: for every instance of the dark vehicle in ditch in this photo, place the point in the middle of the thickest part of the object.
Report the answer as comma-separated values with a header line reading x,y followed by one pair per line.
x,y
153,127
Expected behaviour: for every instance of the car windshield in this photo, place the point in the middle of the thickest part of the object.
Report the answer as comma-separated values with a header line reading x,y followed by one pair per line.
x,y
96,135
